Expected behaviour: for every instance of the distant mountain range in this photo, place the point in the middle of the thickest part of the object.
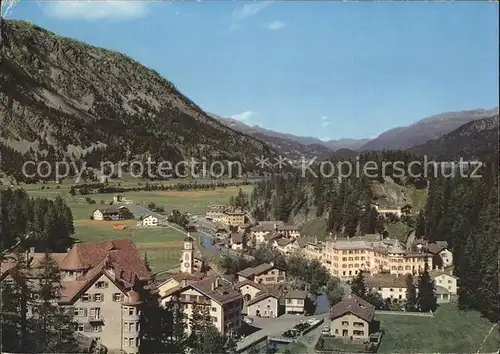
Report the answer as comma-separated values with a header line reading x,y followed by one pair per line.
x,y
474,140
402,138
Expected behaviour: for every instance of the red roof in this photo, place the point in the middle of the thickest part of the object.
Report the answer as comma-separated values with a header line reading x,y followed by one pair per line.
x,y
121,253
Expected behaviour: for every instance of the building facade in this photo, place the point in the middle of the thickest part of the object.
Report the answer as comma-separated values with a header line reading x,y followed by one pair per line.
x,y
98,282
263,274
352,318
150,220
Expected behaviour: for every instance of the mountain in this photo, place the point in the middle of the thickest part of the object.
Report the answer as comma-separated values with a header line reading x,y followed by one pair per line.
x,y
64,96
474,140
282,143
402,138
291,145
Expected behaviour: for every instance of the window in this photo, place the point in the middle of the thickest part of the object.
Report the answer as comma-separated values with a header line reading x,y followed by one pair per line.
x,y
117,297
125,342
345,323
101,284
449,281
214,319
97,328
98,297
131,342
131,311
85,298
125,326
288,301
131,326
214,309
80,312
358,333
79,327
137,327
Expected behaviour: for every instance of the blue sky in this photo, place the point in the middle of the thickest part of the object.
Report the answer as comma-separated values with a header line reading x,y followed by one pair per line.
x,y
325,69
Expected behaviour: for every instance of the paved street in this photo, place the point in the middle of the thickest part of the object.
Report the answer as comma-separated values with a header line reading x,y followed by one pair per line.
x,y
274,327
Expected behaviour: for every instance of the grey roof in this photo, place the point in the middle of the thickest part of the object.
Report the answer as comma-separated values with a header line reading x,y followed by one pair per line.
x,y
262,268
296,294
222,294
262,295
355,305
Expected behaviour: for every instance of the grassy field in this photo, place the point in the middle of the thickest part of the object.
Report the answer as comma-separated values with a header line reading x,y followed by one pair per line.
x,y
163,246
450,331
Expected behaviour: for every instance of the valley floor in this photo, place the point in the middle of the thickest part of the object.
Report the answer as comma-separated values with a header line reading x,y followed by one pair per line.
x,y
163,245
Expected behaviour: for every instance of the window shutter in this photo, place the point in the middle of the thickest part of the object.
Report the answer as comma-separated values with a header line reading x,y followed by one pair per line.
x,y
85,312
102,297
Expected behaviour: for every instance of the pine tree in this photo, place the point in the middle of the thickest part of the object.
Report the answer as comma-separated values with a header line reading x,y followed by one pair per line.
x,y
52,325
426,299
200,319
178,339
146,262
358,286
420,225
411,294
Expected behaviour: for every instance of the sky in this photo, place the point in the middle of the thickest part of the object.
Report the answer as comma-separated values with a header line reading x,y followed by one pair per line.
x,y
326,69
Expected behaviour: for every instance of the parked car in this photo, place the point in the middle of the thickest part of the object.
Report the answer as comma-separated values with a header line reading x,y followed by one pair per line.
x,y
247,320
325,330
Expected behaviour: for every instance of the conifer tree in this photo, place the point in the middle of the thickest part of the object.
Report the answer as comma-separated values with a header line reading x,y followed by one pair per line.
x,y
426,299
52,325
411,294
358,286
420,225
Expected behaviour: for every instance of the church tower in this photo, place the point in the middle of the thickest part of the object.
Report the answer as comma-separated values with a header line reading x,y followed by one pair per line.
x,y
187,255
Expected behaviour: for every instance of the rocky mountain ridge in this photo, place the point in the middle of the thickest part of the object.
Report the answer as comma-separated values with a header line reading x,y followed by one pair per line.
x,y
60,94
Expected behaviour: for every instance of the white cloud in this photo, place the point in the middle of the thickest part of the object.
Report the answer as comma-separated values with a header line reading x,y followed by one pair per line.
x,y
248,10
243,116
275,25
327,138
245,11
96,10
325,121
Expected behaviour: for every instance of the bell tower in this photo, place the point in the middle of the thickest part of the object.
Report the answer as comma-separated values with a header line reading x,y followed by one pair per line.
x,y
187,255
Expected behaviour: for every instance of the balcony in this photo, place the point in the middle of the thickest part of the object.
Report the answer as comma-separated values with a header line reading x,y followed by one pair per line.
x,y
96,318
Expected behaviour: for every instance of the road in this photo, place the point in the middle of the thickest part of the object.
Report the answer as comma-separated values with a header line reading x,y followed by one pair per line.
x,y
274,327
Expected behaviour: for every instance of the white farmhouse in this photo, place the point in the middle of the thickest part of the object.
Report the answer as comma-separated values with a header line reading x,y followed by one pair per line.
x,y
150,220
98,215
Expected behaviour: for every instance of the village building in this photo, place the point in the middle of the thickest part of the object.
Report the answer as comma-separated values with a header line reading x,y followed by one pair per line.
x,y
215,212
353,318
263,274
258,232
237,241
249,289
288,230
345,258
438,249
389,286
295,302
265,304
111,213
445,280
150,221
233,218
286,245
387,212
224,303
99,283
